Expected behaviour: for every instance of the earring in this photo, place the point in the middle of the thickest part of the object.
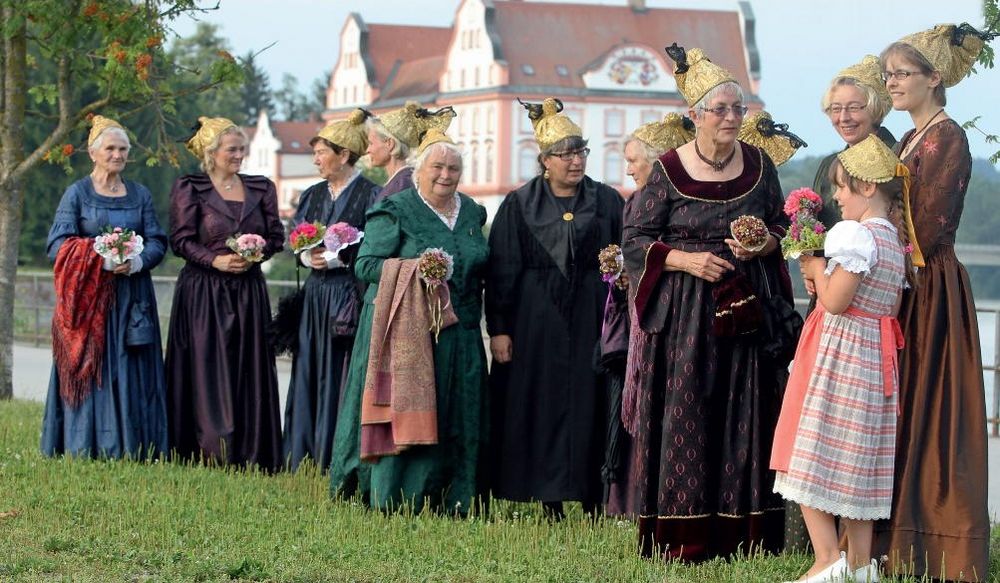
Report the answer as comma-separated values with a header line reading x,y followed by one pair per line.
x,y
546,174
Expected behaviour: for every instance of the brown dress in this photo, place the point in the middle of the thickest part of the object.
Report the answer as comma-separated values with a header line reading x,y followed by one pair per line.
x,y
939,525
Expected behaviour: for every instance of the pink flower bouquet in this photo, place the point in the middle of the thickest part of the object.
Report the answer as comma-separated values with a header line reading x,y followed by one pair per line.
x,y
435,268
118,245
305,236
340,236
806,234
248,246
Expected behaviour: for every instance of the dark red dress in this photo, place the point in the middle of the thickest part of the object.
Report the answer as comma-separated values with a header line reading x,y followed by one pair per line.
x,y
222,386
705,405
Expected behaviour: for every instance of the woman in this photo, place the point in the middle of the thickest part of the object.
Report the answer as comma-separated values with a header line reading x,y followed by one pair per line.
x,y
331,294
221,380
391,138
544,304
643,148
431,215
939,524
106,393
856,102
701,398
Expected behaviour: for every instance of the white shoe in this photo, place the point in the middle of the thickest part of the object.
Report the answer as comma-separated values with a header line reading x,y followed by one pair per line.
x,y
867,574
838,572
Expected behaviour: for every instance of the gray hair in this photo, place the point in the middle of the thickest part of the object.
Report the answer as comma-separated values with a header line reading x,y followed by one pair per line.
x,y
99,141
400,151
728,87
208,157
649,152
877,108
421,159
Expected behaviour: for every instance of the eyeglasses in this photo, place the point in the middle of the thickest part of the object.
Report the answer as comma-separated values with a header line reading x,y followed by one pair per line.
x,y
899,75
723,110
851,108
568,156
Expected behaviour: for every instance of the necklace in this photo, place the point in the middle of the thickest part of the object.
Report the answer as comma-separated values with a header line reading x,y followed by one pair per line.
x,y
717,165
114,186
906,143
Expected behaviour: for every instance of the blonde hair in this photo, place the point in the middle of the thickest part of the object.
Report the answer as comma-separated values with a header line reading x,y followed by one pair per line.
x,y
877,108
208,158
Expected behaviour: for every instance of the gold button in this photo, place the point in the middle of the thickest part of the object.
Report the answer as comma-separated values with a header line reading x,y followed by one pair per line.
x,y
567,216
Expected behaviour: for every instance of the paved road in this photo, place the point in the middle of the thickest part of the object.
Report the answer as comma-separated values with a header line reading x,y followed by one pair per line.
x,y
31,381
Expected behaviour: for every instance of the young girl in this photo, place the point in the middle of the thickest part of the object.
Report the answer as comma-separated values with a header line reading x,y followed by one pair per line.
x,y
835,440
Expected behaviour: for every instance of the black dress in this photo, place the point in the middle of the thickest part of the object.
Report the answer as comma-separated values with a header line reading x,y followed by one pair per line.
x,y
545,291
331,305
222,386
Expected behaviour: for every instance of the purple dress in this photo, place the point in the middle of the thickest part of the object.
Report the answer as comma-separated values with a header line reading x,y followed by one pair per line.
x,y
222,386
398,182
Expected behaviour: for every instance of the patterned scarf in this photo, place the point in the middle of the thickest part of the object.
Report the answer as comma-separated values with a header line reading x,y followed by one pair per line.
x,y
84,295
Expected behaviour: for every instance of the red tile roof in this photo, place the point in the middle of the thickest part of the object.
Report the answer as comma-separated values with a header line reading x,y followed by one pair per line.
x,y
545,35
389,44
415,78
295,135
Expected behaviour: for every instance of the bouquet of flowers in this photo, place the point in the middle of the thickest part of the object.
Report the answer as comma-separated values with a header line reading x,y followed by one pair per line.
x,y
305,236
806,234
338,237
750,232
117,245
248,246
612,266
436,267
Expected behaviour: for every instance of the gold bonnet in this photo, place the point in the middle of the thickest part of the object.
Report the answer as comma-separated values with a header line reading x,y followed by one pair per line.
x,y
869,73
551,126
758,129
950,49
695,74
208,129
673,131
98,124
871,160
431,137
409,123
348,133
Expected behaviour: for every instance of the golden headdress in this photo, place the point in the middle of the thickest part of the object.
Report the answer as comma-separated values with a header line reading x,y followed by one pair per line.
x,y
871,160
778,143
869,73
431,137
98,124
208,129
952,50
409,123
348,133
551,126
695,74
673,131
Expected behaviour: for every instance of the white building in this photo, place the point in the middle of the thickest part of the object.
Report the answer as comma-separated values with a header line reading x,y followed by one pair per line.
x,y
280,150
606,63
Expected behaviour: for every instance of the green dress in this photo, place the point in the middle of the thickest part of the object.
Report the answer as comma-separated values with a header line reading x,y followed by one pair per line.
x,y
446,474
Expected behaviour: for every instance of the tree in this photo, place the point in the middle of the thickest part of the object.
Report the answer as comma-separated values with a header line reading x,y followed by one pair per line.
x,y
255,93
105,56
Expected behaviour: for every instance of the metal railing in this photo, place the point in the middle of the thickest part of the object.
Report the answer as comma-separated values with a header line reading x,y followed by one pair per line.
x,y
35,297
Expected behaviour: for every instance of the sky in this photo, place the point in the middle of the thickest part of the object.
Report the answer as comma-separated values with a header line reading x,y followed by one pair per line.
x,y
802,44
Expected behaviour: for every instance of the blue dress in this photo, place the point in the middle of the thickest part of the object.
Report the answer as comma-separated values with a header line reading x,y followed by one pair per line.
x,y
125,414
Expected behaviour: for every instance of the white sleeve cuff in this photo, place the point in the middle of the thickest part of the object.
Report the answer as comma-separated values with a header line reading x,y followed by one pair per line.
x,y
135,265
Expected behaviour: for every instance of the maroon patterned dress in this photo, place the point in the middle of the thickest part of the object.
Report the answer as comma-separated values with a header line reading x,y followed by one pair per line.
x,y
704,406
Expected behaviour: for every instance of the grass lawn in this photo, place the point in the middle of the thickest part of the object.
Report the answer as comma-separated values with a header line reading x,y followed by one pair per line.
x,y
72,520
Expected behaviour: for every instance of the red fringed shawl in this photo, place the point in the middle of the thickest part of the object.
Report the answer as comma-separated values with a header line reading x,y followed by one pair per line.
x,y
84,295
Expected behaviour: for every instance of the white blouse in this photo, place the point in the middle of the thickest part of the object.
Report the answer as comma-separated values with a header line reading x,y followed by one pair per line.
x,y
852,246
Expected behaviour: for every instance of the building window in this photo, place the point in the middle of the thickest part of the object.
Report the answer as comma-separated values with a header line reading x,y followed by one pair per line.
x,y
614,122
612,164
489,163
474,166
461,79
562,71
649,115
475,121
527,163
490,120
527,69
477,77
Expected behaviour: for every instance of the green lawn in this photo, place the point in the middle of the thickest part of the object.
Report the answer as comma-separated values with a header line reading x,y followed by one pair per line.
x,y
120,521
